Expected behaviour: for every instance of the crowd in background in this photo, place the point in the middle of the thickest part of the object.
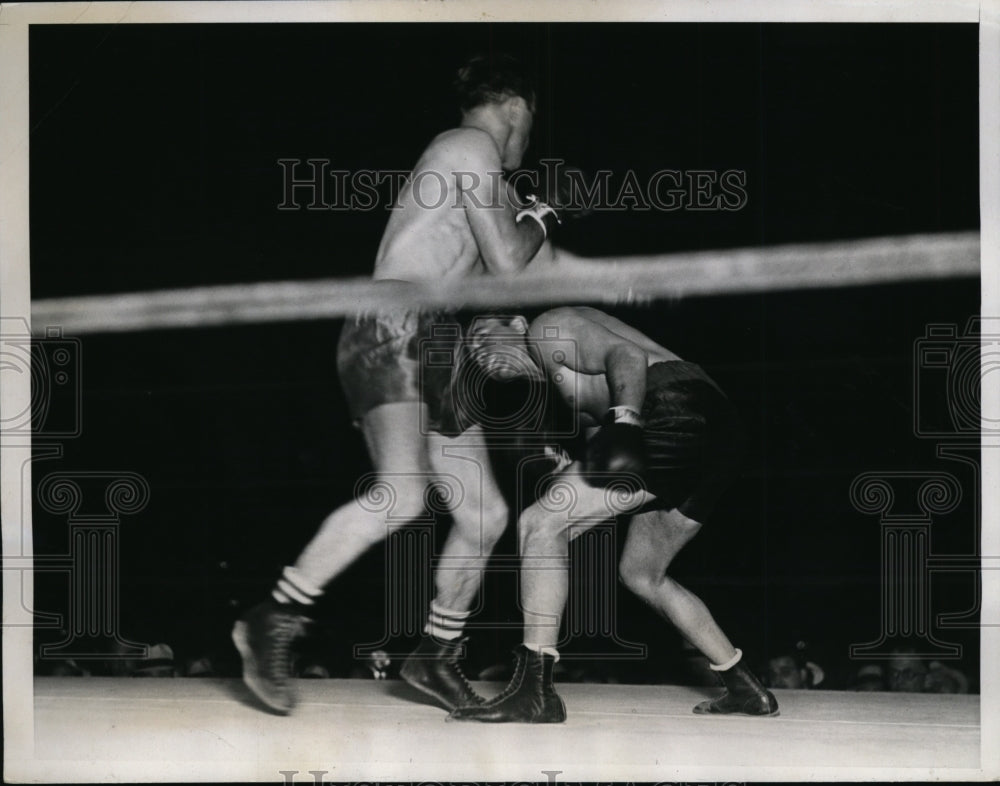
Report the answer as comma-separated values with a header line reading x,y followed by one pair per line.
x,y
796,667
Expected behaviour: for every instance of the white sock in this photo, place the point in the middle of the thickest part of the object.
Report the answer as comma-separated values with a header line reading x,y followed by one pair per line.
x,y
543,650
293,587
445,623
729,663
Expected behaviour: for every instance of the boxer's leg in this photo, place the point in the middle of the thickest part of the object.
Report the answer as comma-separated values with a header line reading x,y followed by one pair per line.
x,y
654,538
398,452
265,634
479,515
568,507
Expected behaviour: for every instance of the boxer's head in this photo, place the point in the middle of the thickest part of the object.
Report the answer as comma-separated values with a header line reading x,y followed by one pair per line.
x,y
501,84
520,115
487,79
498,344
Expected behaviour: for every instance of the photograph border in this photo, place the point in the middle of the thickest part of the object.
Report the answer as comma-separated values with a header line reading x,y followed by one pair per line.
x,y
21,760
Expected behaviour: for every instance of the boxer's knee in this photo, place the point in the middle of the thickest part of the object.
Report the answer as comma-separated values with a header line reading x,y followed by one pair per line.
x,y
531,522
638,578
494,523
478,533
539,532
390,501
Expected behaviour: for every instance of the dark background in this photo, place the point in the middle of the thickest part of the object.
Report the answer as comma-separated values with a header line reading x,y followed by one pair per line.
x,y
154,164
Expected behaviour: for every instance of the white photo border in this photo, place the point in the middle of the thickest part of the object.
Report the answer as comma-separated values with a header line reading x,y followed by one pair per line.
x,y
20,758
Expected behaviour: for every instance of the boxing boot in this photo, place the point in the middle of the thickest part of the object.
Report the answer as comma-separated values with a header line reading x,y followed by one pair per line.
x,y
744,695
529,698
264,638
433,668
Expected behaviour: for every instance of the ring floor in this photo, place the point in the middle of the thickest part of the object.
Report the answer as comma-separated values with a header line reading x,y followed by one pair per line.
x,y
350,730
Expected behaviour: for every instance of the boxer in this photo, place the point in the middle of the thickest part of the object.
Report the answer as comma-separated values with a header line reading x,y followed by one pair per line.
x,y
457,217
663,442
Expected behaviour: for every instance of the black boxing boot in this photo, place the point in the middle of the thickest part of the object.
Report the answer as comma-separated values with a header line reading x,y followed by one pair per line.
x,y
433,668
529,698
264,637
744,695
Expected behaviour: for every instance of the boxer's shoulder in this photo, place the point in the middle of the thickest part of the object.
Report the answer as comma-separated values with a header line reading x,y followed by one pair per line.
x,y
470,147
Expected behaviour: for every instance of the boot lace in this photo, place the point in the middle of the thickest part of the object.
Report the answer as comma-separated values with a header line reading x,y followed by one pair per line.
x,y
278,656
520,666
460,676
456,670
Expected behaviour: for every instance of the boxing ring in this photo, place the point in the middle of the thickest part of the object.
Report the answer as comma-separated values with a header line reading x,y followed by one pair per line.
x,y
345,726
347,730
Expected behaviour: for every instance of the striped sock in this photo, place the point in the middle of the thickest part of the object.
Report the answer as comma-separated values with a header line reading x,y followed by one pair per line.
x,y
294,588
444,623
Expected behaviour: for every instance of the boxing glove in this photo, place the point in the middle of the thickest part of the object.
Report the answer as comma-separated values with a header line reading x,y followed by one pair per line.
x,y
618,447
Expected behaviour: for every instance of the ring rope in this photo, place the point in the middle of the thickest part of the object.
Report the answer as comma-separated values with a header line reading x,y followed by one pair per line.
x,y
566,279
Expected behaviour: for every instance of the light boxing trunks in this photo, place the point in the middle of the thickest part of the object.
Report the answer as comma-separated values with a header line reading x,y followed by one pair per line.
x,y
379,360
693,438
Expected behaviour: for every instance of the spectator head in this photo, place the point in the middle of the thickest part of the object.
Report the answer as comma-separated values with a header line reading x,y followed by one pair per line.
x,y
944,679
793,670
784,672
869,678
906,671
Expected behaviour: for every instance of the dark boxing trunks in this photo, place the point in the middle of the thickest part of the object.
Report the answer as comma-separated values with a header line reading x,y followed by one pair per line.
x,y
693,438
379,360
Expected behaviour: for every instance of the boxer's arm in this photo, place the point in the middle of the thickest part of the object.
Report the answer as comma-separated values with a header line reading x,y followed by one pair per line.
x,y
625,367
617,449
505,245
543,260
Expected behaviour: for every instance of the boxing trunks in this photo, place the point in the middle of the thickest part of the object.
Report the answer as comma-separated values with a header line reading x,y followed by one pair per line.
x,y
693,438
379,360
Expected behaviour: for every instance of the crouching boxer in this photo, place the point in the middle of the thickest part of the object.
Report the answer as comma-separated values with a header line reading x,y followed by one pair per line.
x,y
663,442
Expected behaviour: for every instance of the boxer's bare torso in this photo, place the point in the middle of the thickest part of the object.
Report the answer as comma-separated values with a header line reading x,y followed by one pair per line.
x,y
430,236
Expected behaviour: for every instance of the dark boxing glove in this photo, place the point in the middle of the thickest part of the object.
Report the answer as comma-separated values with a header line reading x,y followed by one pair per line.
x,y
617,449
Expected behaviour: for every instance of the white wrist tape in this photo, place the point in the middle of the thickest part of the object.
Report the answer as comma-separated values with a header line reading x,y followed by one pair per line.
x,y
537,211
626,415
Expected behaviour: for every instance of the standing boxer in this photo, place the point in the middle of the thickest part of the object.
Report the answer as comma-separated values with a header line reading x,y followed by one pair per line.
x,y
457,217
664,440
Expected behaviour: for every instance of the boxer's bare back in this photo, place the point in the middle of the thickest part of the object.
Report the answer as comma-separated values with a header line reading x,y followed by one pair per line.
x,y
573,345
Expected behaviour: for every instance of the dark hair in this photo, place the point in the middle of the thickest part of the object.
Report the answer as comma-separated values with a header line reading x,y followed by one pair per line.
x,y
488,78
